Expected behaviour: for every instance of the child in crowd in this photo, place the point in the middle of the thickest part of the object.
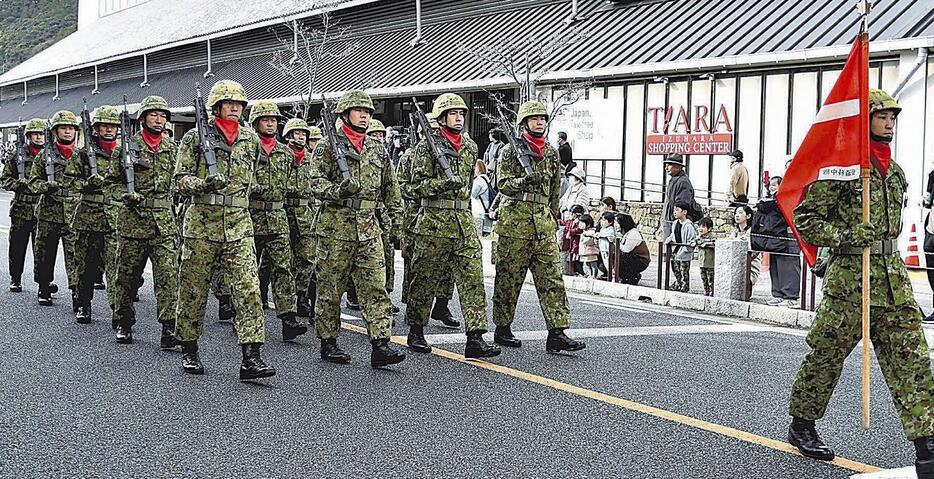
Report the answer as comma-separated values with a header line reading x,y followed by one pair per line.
x,y
705,253
589,252
605,236
682,238
570,241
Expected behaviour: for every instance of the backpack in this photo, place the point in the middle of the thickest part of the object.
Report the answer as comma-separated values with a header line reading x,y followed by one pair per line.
x,y
696,213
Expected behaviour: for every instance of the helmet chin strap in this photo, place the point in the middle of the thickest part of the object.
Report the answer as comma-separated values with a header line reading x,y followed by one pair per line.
x,y
267,135
535,134
152,130
883,139
64,142
359,129
452,130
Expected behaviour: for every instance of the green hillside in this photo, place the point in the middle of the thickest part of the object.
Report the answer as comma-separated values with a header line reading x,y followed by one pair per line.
x,y
29,26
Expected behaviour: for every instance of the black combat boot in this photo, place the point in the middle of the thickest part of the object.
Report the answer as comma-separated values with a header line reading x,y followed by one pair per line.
x,y
416,340
291,327
478,348
558,341
53,289
332,353
352,302
168,340
803,435
303,308
16,286
83,316
191,363
384,354
253,366
503,336
225,311
924,464
394,310
44,296
124,333
100,286
440,312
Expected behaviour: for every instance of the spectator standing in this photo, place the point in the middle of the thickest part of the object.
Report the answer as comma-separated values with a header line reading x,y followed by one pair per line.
x,y
570,239
679,190
736,193
634,256
742,220
576,193
589,251
564,151
481,199
682,237
605,236
492,150
929,237
607,205
770,232
705,253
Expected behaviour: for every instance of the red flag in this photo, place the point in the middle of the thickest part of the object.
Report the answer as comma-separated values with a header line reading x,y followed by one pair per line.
x,y
837,145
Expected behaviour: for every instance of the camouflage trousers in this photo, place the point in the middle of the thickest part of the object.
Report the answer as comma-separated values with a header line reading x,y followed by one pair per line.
x,y
132,255
336,261
45,251
389,258
110,257
681,270
435,259
900,348
69,242
407,248
515,257
706,275
89,261
275,253
303,255
22,232
235,262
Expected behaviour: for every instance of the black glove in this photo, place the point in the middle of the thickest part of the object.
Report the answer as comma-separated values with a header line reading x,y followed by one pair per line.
x,y
51,187
349,187
132,199
22,186
534,179
95,181
454,183
215,182
862,235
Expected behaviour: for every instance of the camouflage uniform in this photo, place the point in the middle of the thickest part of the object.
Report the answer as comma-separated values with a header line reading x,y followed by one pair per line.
x,y
23,207
389,253
301,218
409,211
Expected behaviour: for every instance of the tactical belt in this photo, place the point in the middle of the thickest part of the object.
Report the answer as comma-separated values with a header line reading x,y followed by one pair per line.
x,y
447,204
883,247
531,198
94,199
156,204
296,202
357,204
28,197
220,200
116,203
266,205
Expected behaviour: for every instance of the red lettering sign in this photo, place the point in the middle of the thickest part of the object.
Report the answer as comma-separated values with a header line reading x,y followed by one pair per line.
x,y
690,144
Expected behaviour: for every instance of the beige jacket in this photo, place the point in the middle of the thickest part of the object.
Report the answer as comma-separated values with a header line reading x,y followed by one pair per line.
x,y
739,181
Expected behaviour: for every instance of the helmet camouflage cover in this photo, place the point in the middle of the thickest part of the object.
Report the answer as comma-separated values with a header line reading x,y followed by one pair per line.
x,y
105,114
354,99
36,125
226,90
314,133
64,118
264,108
295,124
153,103
531,108
447,101
375,126
879,100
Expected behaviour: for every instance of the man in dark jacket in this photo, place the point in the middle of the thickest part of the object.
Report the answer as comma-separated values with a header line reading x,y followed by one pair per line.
x,y
679,190
770,232
564,152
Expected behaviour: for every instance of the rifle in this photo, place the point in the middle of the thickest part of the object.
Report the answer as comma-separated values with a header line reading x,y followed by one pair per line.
x,y
128,168
522,154
337,148
210,143
413,133
49,159
435,148
21,151
90,138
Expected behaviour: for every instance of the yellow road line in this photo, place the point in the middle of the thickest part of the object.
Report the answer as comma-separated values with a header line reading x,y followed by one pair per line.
x,y
630,405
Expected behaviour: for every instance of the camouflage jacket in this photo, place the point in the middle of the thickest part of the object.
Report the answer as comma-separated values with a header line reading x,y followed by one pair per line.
x,y
210,221
427,182
827,216
152,178
372,167
23,207
409,201
269,185
51,207
91,211
527,218
298,186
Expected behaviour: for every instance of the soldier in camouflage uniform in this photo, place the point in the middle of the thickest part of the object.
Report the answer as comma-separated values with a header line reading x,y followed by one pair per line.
x,y
146,229
349,237
23,207
526,225
89,222
218,231
830,216
270,223
445,233
377,131
52,225
300,215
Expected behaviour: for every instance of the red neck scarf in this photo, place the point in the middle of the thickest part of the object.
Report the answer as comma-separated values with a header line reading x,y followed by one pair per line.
x,y
228,128
152,140
106,146
881,155
66,150
456,139
356,138
34,150
268,143
299,155
537,145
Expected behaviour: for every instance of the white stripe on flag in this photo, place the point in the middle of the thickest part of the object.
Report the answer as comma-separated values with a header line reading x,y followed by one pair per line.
x,y
836,111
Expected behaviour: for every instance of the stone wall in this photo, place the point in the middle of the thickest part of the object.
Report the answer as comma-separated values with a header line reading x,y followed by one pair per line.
x,y
648,216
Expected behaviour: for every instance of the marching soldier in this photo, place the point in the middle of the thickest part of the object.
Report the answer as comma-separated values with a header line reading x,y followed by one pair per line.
x,y
218,232
299,214
526,225
829,216
349,243
146,229
377,131
270,223
445,233
52,219
23,207
89,221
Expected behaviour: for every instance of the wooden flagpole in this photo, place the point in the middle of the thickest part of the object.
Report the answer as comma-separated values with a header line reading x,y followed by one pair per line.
x,y
865,8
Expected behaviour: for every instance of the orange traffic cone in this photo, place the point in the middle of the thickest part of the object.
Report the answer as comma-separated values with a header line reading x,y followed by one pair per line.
x,y
912,261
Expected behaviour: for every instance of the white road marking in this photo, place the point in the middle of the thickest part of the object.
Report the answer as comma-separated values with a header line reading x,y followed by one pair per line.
x,y
902,473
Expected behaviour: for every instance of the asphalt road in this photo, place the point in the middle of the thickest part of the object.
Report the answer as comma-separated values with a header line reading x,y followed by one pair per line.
x,y
658,393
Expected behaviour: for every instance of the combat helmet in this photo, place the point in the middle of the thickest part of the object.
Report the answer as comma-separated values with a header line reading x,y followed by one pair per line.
x,y
447,101
226,90
295,124
879,100
264,108
354,99
153,103
64,118
376,126
105,114
314,133
36,125
531,108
